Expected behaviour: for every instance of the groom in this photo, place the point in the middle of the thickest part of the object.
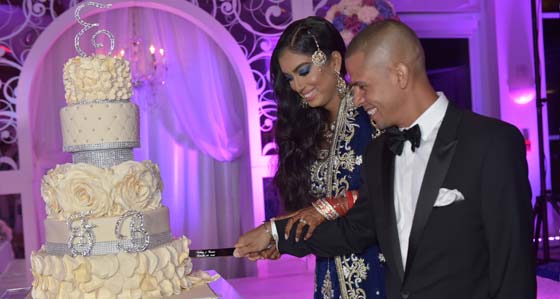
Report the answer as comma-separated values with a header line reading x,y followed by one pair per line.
x,y
446,195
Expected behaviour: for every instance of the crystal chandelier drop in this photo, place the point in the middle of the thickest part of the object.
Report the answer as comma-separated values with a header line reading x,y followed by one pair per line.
x,y
148,70
148,65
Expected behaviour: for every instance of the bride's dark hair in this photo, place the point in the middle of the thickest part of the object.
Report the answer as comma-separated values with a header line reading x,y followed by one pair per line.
x,y
299,131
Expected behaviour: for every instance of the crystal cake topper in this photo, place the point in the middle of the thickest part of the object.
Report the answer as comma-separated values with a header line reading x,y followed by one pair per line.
x,y
87,26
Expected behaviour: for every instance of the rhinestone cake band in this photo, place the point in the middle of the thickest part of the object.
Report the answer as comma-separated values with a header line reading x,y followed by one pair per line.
x,y
100,102
103,158
101,146
110,247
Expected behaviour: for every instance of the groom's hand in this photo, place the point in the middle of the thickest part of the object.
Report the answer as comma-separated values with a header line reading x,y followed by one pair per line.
x,y
270,253
253,241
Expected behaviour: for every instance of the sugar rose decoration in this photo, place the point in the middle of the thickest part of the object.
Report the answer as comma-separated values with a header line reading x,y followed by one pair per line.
x,y
138,186
81,188
352,16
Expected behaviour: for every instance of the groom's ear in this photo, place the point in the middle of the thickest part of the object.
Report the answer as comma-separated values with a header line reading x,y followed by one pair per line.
x,y
402,74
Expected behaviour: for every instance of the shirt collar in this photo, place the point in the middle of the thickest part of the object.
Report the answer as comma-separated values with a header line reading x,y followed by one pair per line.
x,y
433,116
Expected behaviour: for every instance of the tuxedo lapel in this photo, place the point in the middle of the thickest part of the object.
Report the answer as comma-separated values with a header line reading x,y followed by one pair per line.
x,y
386,177
436,171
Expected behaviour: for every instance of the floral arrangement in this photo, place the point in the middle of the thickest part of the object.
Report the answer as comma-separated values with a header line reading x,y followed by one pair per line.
x,y
352,16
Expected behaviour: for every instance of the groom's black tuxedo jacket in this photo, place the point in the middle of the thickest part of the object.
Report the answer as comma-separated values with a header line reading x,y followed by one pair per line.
x,y
479,247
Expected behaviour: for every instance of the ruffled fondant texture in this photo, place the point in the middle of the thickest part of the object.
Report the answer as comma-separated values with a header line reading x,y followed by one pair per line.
x,y
96,78
73,188
160,272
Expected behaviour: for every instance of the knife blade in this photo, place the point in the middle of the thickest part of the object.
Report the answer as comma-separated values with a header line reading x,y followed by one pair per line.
x,y
215,252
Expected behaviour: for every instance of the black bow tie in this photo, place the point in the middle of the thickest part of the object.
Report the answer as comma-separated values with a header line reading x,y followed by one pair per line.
x,y
396,138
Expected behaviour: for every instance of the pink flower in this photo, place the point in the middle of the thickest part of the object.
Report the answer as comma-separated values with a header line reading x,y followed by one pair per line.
x,y
368,14
332,12
352,3
353,24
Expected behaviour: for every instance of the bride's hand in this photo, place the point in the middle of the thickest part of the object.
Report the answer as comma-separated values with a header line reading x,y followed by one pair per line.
x,y
305,217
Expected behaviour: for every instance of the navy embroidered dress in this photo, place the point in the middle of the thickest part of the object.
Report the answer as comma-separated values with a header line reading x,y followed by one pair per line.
x,y
358,275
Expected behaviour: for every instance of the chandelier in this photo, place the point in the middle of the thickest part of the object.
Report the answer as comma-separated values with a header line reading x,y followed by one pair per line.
x,y
148,70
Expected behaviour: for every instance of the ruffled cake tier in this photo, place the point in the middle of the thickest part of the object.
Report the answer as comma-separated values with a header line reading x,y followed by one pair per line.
x,y
94,78
154,273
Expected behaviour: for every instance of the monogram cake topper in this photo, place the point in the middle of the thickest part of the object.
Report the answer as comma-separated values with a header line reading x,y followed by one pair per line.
x,y
87,26
82,238
139,238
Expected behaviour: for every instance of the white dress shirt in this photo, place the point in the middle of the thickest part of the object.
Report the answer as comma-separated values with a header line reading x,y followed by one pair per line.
x,y
410,168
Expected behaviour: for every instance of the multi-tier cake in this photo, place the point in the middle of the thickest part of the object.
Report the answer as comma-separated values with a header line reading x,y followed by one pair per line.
x,y
107,233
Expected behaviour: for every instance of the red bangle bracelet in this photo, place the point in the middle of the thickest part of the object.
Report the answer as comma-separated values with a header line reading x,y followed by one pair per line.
x,y
350,199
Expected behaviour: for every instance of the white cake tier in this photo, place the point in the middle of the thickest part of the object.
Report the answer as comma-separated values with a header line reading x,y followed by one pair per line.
x,y
105,192
155,273
105,230
102,125
95,78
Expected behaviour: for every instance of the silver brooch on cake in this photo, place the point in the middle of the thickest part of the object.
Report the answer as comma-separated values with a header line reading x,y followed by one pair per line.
x,y
139,238
87,26
82,238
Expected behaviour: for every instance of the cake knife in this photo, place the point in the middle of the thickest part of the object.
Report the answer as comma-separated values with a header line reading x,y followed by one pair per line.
x,y
215,252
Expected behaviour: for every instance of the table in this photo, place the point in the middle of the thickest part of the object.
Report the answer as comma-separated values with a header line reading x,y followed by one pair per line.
x,y
223,289
217,289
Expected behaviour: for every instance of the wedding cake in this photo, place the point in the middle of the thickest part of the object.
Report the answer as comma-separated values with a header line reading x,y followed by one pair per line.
x,y
107,233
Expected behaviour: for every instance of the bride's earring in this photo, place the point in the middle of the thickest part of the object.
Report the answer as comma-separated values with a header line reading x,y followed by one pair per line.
x,y
340,84
377,131
303,104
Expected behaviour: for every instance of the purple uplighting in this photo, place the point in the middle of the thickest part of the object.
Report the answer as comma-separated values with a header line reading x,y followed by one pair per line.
x,y
524,98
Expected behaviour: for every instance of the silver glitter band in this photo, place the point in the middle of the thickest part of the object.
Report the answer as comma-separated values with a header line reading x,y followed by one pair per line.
x,y
100,102
103,158
101,146
109,247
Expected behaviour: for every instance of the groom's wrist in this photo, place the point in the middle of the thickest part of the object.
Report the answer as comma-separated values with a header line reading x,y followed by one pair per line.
x,y
274,232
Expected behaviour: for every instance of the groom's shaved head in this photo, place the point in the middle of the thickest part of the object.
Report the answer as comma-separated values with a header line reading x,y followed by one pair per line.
x,y
389,42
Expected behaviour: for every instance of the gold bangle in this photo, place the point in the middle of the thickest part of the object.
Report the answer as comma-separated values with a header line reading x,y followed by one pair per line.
x,y
319,208
325,209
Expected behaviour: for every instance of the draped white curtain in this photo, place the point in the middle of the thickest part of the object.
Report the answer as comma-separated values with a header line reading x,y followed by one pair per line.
x,y
194,127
